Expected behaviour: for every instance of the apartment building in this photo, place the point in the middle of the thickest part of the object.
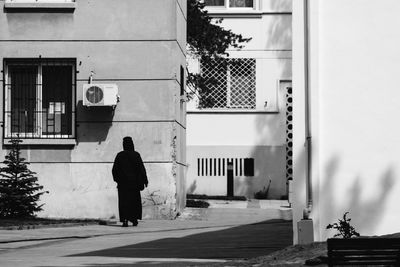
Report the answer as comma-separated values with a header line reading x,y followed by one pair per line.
x,y
78,76
245,126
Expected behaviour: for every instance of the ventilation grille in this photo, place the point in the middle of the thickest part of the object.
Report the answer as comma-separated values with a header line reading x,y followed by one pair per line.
x,y
289,134
219,166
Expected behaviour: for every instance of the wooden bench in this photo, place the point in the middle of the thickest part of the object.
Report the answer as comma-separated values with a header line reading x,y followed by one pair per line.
x,y
364,251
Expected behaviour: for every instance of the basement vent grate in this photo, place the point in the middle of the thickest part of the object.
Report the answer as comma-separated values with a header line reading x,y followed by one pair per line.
x,y
218,166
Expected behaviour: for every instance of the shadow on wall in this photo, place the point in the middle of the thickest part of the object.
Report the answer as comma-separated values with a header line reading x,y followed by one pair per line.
x,y
192,187
271,128
366,214
93,123
279,34
269,159
269,171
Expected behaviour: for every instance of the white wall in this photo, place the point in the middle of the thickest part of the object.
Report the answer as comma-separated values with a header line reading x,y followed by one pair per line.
x,y
355,62
299,152
259,133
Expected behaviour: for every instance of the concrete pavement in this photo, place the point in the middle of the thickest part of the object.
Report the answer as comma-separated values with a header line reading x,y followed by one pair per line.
x,y
197,238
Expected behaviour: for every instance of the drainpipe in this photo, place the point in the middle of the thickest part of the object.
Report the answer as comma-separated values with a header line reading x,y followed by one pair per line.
x,y
305,227
308,209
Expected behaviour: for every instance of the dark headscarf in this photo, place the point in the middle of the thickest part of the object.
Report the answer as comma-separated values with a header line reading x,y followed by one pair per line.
x,y
127,144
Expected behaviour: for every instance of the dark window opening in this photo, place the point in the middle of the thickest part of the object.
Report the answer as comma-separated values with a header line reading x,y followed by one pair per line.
x,y
182,81
248,167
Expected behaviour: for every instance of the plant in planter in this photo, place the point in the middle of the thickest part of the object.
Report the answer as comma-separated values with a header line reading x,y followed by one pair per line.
x,y
344,228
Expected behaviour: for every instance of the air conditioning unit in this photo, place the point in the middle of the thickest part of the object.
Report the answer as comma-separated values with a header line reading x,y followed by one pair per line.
x,y
100,95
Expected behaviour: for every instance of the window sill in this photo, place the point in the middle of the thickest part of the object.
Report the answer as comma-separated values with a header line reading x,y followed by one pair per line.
x,y
47,5
243,13
58,142
239,13
216,111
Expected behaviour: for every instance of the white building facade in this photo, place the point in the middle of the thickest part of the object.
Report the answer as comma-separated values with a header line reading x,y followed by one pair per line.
x,y
247,123
345,64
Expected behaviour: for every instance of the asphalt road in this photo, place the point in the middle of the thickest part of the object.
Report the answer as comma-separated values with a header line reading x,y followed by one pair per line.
x,y
160,243
245,241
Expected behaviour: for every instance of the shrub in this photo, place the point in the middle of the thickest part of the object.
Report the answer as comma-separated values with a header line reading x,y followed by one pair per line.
x,y
344,228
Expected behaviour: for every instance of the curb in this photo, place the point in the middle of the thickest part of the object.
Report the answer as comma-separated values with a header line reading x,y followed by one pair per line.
x,y
33,239
55,225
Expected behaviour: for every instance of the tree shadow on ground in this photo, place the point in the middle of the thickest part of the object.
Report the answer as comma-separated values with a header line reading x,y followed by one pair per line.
x,y
153,263
243,241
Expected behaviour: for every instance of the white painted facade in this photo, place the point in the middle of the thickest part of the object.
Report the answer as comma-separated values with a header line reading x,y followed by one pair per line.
x,y
354,62
258,133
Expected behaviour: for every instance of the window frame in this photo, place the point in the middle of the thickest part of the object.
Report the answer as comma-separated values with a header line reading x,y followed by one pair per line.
x,y
226,6
38,137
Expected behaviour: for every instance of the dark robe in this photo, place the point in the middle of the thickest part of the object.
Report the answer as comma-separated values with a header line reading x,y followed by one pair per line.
x,y
130,175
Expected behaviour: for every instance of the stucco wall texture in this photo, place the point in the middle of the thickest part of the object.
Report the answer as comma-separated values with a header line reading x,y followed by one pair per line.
x,y
354,65
138,45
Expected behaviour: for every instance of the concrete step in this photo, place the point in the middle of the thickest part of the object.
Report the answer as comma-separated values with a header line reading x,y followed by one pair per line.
x,y
235,215
250,203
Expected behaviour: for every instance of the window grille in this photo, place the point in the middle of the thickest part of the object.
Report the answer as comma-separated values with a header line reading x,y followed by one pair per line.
x,y
39,98
231,84
241,3
218,166
230,3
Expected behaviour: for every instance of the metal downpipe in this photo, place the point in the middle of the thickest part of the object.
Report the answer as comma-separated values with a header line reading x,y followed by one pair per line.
x,y
309,193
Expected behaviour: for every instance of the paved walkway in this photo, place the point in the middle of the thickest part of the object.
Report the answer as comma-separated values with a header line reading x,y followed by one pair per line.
x,y
191,240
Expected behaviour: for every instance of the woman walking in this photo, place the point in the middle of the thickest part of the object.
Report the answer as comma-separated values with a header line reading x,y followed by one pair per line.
x,y
130,175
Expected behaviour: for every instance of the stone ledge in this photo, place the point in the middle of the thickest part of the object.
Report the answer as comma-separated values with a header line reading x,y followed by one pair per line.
x,y
38,141
36,5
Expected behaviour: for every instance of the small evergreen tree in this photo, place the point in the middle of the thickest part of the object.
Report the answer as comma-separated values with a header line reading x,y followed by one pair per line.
x,y
19,191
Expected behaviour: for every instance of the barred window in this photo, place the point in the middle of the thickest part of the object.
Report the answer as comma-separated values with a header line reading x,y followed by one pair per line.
x,y
240,3
215,2
231,84
230,3
39,98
